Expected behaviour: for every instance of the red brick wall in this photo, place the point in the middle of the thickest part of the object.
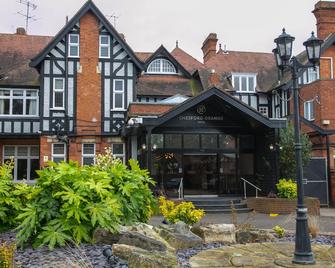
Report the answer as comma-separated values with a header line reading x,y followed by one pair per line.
x,y
89,80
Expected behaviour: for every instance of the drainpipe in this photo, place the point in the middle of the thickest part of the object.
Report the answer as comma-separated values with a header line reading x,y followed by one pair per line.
x,y
328,171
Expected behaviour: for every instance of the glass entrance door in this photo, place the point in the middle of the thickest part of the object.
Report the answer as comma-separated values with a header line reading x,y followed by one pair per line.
x,y
200,174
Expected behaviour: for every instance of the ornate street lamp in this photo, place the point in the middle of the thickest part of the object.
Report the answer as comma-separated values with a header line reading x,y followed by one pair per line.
x,y
283,54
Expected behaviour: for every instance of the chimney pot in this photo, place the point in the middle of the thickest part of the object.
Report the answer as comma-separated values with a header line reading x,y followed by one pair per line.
x,y
20,31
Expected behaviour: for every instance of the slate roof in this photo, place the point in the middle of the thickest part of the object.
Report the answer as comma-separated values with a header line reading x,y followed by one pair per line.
x,y
16,50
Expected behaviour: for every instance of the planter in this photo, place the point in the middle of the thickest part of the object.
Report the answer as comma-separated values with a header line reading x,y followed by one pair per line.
x,y
282,205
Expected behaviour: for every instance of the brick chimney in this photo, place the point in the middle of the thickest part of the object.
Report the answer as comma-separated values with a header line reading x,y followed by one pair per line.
x,y
214,79
20,31
324,12
209,46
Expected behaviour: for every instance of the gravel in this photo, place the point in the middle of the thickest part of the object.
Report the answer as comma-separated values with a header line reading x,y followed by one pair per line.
x,y
88,256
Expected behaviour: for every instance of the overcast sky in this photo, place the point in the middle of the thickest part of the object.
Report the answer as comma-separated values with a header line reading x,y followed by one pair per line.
x,y
247,25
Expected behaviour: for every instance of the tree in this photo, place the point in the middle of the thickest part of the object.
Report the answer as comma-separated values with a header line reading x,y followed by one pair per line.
x,y
287,151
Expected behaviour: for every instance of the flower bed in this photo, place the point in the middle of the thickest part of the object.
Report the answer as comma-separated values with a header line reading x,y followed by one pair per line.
x,y
282,205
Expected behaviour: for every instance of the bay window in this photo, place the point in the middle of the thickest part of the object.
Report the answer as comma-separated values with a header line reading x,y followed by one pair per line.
x,y
19,102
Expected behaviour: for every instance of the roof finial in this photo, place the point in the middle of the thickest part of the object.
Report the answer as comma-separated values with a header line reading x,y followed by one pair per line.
x,y
220,46
177,43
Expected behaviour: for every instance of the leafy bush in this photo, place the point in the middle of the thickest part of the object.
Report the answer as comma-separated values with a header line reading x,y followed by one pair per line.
x,y
12,196
287,189
185,211
7,252
280,231
69,201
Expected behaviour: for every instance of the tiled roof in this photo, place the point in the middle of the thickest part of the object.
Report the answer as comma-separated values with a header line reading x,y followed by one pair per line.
x,y
164,85
143,56
136,109
15,53
189,63
246,62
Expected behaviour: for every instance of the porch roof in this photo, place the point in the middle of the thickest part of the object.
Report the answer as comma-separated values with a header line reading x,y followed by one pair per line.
x,y
226,98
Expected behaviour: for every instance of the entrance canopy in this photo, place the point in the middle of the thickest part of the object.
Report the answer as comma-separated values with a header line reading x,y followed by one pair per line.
x,y
213,108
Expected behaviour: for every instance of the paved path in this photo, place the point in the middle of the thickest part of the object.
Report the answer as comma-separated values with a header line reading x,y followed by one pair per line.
x,y
264,221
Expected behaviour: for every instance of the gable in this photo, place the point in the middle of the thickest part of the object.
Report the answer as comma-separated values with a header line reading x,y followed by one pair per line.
x,y
57,46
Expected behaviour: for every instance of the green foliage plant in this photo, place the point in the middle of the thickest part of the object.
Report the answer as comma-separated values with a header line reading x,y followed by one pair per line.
x,y
287,189
280,231
287,151
13,196
70,201
185,211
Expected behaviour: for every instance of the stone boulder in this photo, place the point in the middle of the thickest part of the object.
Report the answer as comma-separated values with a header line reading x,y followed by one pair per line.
x,y
139,240
138,257
102,236
253,235
179,235
216,233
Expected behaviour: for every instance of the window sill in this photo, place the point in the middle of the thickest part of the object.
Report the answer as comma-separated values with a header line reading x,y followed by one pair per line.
x,y
118,110
57,109
247,92
18,116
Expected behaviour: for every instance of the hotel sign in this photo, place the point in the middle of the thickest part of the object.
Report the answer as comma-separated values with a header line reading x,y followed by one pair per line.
x,y
200,116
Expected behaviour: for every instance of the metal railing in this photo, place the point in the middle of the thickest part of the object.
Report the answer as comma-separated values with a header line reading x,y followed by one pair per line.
x,y
245,187
181,189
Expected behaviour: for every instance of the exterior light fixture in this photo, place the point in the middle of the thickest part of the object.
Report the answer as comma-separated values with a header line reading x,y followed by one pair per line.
x,y
313,49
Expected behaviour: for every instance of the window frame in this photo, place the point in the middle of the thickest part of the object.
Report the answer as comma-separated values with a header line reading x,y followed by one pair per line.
x,y
246,76
161,61
54,90
24,99
119,92
123,155
104,45
308,107
84,155
70,44
17,157
53,155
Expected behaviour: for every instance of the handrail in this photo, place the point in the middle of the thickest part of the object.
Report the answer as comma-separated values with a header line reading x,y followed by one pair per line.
x,y
181,189
245,187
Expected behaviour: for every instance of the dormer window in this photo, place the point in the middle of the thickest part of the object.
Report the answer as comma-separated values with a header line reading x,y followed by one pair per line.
x,y
161,66
244,83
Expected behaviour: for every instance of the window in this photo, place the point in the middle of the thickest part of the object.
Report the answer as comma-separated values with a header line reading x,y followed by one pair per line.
x,y
58,93
309,110
244,82
73,45
264,110
159,66
104,46
88,154
58,152
18,102
118,151
118,95
26,161
310,75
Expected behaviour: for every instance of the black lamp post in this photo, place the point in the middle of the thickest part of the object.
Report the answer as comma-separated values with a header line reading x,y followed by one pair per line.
x,y
283,54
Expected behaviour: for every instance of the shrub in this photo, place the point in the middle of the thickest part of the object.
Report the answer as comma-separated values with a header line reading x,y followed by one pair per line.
x,y
69,201
12,196
313,225
287,189
7,252
280,231
185,211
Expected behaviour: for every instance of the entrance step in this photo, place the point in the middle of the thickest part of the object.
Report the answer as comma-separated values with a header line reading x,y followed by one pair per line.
x,y
213,205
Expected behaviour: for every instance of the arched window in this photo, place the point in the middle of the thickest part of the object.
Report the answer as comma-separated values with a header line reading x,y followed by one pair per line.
x,y
161,66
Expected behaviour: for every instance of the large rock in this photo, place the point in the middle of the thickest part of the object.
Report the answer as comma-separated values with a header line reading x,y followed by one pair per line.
x,y
216,233
102,236
179,235
139,240
140,258
253,235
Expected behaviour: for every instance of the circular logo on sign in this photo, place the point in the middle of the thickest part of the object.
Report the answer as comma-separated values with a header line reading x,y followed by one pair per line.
x,y
201,109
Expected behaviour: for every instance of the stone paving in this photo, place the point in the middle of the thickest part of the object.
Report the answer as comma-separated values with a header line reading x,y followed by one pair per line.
x,y
261,255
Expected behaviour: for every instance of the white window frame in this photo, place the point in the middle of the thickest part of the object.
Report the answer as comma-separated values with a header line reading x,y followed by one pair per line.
x,y
54,90
75,45
161,61
247,76
123,155
53,155
308,107
16,157
84,155
265,111
118,92
11,97
306,77
104,45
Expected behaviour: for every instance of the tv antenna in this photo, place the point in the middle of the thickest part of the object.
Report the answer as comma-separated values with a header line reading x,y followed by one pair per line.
x,y
30,6
113,17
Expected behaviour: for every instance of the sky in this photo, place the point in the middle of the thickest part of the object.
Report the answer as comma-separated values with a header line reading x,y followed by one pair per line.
x,y
241,25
